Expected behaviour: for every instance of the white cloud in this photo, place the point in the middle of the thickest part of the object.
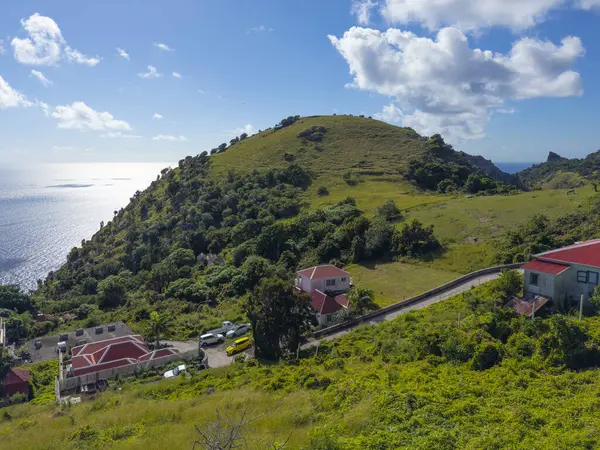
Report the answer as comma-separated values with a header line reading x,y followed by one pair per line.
x,y
79,116
442,85
506,111
80,58
44,107
248,129
260,29
176,75
123,54
41,77
167,137
1,46
470,14
152,73
391,113
157,116
118,134
164,47
45,45
589,4
201,91
362,10
9,97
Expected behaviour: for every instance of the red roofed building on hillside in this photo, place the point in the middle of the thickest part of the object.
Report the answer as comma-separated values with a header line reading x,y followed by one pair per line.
x,y
113,353
326,286
16,381
564,274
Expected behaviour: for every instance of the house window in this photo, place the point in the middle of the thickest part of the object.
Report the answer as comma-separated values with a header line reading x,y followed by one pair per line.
x,y
330,282
534,279
328,318
587,277
343,279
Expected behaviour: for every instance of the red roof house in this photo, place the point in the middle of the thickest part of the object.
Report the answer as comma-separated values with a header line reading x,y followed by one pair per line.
x,y
112,353
16,382
565,274
326,285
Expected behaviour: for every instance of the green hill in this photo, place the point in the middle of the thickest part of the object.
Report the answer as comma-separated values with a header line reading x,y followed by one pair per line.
x,y
563,172
277,201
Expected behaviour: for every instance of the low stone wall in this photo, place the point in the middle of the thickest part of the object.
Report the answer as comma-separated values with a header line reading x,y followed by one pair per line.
x,y
73,383
400,305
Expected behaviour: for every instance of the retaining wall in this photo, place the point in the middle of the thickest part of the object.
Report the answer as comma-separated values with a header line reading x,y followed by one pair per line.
x,y
411,301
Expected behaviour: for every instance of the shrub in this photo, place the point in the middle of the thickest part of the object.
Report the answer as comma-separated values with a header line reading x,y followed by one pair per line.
x,y
322,191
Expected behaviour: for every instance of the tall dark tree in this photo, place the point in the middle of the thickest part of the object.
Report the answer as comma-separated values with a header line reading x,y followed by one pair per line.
x,y
279,316
11,297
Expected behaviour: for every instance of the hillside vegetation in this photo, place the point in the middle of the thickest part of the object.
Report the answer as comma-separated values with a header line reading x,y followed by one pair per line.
x,y
305,192
418,382
562,173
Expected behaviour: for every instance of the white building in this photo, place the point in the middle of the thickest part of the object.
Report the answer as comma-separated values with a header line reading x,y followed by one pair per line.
x,y
563,275
326,286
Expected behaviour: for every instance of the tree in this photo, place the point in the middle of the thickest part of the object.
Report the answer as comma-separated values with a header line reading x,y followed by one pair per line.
x,y
11,297
222,147
389,210
156,325
279,316
595,298
112,291
5,363
362,299
378,237
243,136
414,239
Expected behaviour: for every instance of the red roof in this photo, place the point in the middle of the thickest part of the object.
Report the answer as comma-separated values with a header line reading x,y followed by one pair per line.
x,y
111,353
586,253
326,304
523,306
327,271
16,376
15,382
536,265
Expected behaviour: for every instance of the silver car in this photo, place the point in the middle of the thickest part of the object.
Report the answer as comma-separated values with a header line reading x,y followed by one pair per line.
x,y
239,330
211,339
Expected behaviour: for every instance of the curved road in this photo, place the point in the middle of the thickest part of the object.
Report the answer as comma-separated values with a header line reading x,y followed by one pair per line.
x,y
218,358
384,317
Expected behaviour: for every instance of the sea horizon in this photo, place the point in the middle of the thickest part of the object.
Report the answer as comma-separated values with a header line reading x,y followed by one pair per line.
x,y
48,209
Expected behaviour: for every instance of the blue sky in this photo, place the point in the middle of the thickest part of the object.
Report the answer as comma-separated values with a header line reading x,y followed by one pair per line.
x,y
246,65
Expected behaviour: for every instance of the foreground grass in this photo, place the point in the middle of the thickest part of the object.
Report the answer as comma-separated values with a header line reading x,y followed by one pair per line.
x,y
368,390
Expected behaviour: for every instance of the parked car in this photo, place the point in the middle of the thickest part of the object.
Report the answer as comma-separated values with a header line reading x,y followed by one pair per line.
x,y
175,372
239,330
211,339
238,345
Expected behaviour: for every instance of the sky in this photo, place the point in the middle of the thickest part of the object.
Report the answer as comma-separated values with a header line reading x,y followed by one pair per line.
x,y
142,80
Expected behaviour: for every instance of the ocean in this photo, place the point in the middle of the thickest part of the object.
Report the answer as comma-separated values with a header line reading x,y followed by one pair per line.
x,y
47,210
514,167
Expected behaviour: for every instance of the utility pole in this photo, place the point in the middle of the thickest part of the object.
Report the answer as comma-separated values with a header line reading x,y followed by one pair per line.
x,y
533,309
581,307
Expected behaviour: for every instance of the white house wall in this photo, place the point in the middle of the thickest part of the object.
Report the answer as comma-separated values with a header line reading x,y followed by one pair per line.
x,y
545,287
571,289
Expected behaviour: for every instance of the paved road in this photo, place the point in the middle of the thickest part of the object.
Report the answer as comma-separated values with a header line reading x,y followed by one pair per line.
x,y
218,358
216,354
418,305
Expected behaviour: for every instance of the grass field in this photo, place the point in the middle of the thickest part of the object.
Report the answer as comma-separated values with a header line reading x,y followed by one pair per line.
x,y
396,281
351,143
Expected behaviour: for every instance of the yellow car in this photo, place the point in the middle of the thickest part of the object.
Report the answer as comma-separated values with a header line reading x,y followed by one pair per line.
x,y
238,346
